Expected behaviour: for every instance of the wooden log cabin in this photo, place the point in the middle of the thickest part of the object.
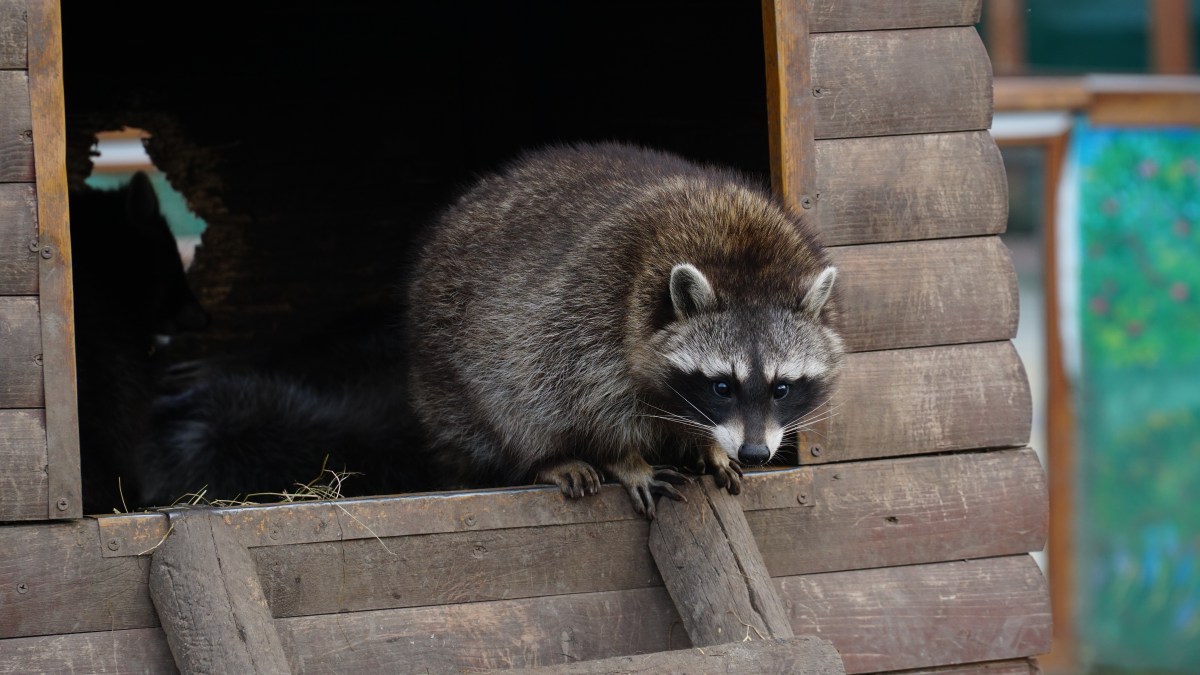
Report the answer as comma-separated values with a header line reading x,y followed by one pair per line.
x,y
899,542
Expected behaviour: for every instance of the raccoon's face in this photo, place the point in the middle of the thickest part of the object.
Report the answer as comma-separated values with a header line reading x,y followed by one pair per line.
x,y
748,375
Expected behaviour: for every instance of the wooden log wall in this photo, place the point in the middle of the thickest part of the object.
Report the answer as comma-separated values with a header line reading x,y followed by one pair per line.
x,y
39,447
902,539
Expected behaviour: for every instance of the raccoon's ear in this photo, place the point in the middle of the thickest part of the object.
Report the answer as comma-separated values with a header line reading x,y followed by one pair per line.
x,y
819,293
690,291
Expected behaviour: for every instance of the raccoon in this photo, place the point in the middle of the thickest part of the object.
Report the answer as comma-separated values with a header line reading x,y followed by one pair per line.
x,y
608,310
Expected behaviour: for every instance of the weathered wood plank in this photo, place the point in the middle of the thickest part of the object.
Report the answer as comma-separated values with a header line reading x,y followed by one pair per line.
x,y
906,511
915,294
929,399
54,580
12,35
944,508
21,354
711,567
22,464
896,188
790,108
54,264
887,619
212,608
804,655
119,652
1015,667
16,128
925,615
18,240
851,15
883,83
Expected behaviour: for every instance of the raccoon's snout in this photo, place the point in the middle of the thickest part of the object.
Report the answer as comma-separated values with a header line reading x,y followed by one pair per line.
x,y
754,454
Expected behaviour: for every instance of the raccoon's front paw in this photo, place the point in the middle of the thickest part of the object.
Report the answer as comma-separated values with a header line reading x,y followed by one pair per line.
x,y
726,471
661,481
574,477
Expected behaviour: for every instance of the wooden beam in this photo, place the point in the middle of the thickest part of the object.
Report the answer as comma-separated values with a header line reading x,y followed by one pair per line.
x,y
711,566
857,15
21,357
212,608
790,104
18,239
803,655
1007,36
1172,43
23,465
64,498
16,128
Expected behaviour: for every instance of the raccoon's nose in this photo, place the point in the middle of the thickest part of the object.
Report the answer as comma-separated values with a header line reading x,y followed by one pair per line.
x,y
754,454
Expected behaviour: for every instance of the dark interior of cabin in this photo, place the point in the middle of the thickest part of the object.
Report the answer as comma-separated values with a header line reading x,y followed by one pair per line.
x,y
314,140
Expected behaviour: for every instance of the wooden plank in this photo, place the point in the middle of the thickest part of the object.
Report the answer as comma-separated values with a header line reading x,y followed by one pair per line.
x,y
711,566
853,15
16,128
1007,36
57,305
12,35
925,615
1144,109
946,507
54,580
883,83
18,240
485,635
897,188
206,591
929,399
804,655
1040,93
22,464
886,619
119,652
21,356
909,511
915,294
1014,667
790,104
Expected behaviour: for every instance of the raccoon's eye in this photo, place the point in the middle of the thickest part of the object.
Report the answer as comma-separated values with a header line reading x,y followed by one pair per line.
x,y
781,390
721,388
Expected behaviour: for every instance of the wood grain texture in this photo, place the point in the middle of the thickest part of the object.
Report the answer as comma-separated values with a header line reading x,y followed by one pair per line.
x,y
68,586
20,354
924,615
854,15
711,567
883,83
790,105
18,240
909,511
54,284
119,652
929,399
22,464
13,40
888,619
213,611
944,508
1014,667
16,128
916,294
804,655
897,188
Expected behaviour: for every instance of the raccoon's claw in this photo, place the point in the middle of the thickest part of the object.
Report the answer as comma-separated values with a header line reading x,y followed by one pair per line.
x,y
574,477
662,483
729,476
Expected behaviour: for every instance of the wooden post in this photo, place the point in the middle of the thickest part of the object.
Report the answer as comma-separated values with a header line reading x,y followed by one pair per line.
x,y
713,570
210,604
